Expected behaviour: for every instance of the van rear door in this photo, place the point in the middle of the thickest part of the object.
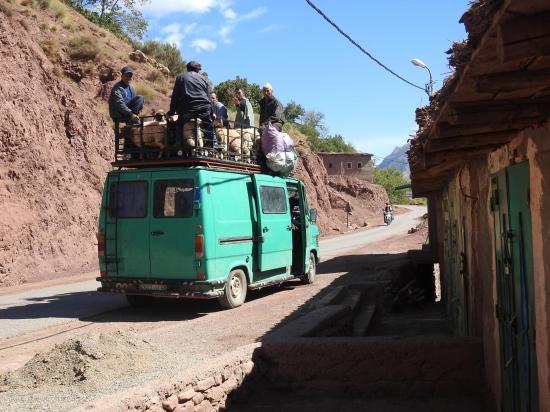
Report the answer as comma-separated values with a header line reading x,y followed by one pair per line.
x,y
172,225
127,225
275,243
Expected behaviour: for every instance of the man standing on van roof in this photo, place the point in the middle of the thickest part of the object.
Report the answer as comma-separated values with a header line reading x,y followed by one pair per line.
x,y
124,104
245,115
190,100
271,109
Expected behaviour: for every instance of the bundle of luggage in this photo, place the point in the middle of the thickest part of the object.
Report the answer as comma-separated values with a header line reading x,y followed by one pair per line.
x,y
278,148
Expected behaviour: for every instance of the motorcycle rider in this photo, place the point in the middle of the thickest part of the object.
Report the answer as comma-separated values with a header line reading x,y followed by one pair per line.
x,y
388,213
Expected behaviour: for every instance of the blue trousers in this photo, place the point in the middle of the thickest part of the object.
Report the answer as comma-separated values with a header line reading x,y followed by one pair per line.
x,y
136,104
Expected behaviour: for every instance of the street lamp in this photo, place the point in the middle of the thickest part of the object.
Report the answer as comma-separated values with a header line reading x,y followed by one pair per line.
x,y
429,85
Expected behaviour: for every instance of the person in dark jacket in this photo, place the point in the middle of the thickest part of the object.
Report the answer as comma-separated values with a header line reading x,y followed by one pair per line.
x,y
190,100
271,109
124,104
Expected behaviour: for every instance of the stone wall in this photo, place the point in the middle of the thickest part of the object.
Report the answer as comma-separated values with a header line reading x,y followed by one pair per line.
x,y
375,367
369,368
337,164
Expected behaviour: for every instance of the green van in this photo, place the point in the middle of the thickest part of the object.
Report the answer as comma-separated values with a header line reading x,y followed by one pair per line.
x,y
199,232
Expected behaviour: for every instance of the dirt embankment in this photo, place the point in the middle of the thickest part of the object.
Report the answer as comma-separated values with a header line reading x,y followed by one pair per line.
x,y
56,143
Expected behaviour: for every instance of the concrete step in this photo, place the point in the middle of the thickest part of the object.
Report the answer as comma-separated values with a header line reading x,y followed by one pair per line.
x,y
318,321
334,296
363,319
353,299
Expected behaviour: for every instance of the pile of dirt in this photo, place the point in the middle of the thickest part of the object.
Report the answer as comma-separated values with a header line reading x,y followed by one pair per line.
x,y
83,360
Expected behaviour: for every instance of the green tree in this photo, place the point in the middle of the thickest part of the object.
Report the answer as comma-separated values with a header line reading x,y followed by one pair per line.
x,y
334,143
226,90
122,17
164,53
390,178
293,111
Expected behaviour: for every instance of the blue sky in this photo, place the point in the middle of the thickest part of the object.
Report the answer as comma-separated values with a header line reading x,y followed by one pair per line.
x,y
287,44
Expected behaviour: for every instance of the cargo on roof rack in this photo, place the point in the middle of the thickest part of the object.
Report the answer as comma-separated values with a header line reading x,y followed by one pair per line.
x,y
158,141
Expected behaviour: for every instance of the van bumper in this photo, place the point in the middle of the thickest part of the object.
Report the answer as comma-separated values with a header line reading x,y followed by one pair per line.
x,y
163,288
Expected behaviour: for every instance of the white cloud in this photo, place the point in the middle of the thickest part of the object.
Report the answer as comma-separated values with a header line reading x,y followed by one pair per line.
x,y
203,44
184,6
254,14
267,29
176,32
224,33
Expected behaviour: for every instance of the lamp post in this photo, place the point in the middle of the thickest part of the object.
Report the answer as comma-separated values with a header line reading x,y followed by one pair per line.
x,y
429,85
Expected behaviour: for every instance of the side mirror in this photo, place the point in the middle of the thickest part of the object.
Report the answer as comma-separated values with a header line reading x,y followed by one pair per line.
x,y
313,215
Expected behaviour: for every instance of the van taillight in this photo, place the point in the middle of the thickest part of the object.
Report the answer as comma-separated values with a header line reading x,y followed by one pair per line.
x,y
199,246
100,244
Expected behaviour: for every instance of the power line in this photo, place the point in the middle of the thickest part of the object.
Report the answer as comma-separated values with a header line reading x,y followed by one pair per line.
x,y
314,7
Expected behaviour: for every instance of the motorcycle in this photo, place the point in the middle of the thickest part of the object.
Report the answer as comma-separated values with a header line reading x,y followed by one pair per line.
x,y
388,217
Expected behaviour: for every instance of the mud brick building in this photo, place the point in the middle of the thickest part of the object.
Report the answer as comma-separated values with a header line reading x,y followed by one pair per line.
x,y
482,157
358,165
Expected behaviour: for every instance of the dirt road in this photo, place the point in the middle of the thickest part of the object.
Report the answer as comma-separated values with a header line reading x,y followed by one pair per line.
x,y
164,339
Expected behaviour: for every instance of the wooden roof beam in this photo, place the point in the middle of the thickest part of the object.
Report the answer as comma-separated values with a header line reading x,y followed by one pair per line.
x,y
513,81
446,130
434,160
524,37
469,142
498,113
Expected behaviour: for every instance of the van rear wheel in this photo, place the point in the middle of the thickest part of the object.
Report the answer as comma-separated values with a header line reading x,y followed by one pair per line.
x,y
235,290
309,277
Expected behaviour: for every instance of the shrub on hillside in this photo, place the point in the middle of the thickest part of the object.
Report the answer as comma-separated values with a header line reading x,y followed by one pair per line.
x,y
5,8
57,9
164,53
159,81
144,90
50,46
83,48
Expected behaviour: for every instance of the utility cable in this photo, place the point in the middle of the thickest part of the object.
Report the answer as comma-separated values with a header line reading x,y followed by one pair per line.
x,y
314,7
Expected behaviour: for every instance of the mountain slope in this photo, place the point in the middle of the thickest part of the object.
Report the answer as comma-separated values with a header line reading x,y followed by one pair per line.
x,y
398,159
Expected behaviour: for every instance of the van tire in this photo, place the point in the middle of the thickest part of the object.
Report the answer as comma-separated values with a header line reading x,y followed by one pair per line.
x,y
136,301
309,277
235,290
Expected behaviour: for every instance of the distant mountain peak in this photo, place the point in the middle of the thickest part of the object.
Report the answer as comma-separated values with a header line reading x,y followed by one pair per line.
x,y
398,159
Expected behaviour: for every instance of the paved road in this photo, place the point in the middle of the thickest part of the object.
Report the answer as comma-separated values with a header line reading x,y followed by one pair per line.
x,y
36,309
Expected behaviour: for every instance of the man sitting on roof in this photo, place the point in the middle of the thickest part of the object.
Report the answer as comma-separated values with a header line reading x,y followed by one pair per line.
x,y
190,100
124,104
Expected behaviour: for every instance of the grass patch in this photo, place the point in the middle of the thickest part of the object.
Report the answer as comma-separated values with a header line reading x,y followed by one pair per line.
x,y
144,90
83,48
68,25
50,46
159,81
43,4
58,10
6,8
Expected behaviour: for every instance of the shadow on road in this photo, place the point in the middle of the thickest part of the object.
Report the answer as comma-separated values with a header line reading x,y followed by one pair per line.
x,y
86,305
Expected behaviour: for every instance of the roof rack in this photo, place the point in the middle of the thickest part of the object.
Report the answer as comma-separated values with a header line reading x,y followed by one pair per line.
x,y
156,141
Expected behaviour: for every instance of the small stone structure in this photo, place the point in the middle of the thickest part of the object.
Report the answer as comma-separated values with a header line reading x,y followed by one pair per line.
x,y
351,164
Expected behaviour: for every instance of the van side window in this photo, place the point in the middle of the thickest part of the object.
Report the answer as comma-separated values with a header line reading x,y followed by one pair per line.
x,y
173,198
128,199
273,200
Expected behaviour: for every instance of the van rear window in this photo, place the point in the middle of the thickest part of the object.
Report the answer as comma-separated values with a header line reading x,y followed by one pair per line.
x,y
128,199
273,199
173,198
